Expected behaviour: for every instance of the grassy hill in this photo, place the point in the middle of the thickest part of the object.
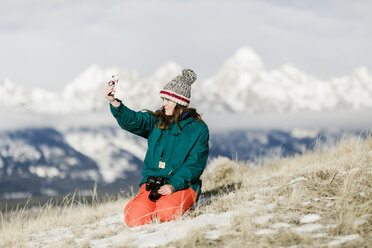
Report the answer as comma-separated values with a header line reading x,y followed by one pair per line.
x,y
319,199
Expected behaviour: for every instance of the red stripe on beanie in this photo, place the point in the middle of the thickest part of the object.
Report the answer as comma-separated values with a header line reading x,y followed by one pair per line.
x,y
174,95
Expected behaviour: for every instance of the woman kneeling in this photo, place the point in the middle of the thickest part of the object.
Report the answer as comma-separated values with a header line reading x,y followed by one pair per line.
x,y
177,152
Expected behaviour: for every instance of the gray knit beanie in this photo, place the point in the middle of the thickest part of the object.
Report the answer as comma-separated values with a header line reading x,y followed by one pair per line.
x,y
179,88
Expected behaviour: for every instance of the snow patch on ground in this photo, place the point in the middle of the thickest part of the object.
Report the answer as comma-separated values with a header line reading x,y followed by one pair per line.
x,y
310,218
51,236
152,235
266,189
261,220
269,206
296,180
265,232
161,234
281,225
343,239
320,235
214,234
308,228
359,222
362,194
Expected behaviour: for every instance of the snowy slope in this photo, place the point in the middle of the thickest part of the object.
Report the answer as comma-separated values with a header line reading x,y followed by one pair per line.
x,y
115,152
44,161
48,162
243,84
39,161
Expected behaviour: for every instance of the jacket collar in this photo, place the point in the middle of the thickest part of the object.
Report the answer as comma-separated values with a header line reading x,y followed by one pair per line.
x,y
185,119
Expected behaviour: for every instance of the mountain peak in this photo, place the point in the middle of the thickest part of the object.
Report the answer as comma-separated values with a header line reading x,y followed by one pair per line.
x,y
7,84
290,69
91,78
168,69
362,71
248,58
244,60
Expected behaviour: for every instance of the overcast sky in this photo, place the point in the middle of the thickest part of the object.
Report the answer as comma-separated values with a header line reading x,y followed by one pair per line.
x,y
48,43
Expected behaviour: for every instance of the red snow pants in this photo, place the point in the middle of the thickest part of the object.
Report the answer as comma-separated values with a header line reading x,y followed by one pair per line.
x,y
140,210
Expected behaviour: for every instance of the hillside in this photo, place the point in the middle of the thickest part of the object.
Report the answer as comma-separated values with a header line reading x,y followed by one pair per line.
x,y
320,199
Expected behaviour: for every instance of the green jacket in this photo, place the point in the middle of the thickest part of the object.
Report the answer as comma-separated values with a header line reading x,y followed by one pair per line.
x,y
185,154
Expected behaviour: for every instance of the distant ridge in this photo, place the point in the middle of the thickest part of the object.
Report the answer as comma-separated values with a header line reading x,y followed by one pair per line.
x,y
243,84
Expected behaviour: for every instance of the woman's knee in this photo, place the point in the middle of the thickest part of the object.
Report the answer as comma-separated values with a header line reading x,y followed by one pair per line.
x,y
133,220
172,207
138,214
168,213
139,211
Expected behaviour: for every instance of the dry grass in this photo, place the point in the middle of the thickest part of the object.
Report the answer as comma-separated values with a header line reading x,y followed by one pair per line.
x,y
269,201
23,227
320,199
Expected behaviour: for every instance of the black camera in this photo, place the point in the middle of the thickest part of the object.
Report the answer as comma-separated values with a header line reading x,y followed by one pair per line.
x,y
154,184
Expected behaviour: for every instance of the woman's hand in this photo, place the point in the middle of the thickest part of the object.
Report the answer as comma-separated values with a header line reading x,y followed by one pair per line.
x,y
166,189
107,92
111,98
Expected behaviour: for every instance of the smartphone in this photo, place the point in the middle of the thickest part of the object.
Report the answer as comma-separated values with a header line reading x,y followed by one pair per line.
x,y
114,81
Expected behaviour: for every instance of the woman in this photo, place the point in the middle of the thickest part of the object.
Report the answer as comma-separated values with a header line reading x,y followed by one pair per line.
x,y
177,152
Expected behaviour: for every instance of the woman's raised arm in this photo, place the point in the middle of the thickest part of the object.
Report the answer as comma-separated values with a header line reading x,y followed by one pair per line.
x,y
139,123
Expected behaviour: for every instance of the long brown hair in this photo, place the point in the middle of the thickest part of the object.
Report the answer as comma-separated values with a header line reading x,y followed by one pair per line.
x,y
164,121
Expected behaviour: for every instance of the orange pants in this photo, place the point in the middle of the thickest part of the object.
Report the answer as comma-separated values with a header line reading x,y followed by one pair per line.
x,y
141,210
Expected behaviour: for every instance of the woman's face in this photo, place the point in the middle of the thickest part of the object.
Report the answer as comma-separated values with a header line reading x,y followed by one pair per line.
x,y
168,106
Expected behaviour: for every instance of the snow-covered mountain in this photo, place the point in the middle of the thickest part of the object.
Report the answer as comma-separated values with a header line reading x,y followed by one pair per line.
x,y
116,152
85,92
39,161
45,161
243,84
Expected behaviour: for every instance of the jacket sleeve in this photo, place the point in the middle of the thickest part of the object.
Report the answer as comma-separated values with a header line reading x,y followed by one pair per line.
x,y
194,164
139,123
